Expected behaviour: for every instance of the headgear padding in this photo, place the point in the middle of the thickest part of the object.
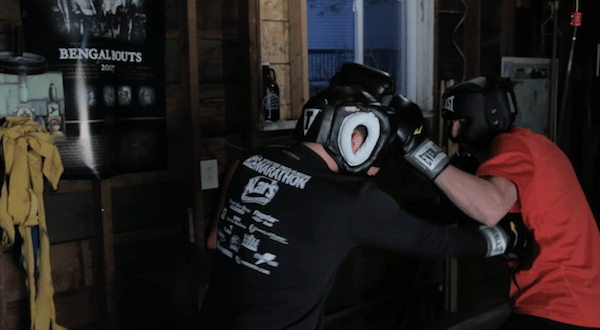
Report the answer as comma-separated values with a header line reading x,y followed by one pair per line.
x,y
330,118
349,124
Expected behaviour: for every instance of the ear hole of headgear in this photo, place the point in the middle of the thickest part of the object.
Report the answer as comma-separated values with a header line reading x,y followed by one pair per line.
x,y
349,124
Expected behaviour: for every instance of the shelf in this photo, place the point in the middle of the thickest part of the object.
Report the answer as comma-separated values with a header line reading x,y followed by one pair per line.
x,y
279,125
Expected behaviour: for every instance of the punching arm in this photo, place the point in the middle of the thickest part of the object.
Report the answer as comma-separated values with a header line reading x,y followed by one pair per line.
x,y
418,150
484,200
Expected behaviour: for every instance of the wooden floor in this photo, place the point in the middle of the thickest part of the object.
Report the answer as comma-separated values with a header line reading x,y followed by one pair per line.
x,y
489,320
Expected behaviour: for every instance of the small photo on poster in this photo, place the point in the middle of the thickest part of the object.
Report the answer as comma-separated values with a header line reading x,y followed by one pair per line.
x,y
109,19
38,97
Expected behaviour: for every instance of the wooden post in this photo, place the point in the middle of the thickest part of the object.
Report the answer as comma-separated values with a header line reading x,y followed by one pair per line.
x,y
194,223
298,57
105,253
193,83
251,76
554,74
441,124
472,39
507,28
3,301
450,273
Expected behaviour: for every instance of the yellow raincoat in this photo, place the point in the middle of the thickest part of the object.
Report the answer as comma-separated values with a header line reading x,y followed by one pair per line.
x,y
29,154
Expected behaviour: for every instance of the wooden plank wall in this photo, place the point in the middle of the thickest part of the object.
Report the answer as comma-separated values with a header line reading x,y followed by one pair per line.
x,y
72,262
283,43
154,255
73,277
136,232
274,43
233,37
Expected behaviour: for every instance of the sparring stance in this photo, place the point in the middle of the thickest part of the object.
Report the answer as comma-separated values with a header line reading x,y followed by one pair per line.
x,y
558,285
293,213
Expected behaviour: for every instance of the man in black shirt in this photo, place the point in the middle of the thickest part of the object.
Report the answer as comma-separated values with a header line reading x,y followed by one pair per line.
x,y
293,213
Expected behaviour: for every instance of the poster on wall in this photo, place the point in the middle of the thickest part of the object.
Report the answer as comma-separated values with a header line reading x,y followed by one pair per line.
x,y
110,54
531,79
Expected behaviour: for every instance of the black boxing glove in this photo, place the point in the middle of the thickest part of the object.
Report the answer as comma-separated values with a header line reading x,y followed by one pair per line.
x,y
376,82
418,150
509,238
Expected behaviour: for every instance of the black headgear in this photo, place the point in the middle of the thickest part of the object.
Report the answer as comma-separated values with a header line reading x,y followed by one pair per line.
x,y
488,106
376,82
330,117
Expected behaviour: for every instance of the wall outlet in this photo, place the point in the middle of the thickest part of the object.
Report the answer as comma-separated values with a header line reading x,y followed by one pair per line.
x,y
209,174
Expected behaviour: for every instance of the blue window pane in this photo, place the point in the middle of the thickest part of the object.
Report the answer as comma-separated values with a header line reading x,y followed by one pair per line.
x,y
331,38
382,40
330,26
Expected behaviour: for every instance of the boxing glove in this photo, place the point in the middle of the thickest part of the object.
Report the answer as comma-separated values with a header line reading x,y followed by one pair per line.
x,y
509,238
376,82
419,151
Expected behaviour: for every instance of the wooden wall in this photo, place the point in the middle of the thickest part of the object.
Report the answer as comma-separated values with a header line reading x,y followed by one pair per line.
x,y
283,42
137,272
160,270
157,270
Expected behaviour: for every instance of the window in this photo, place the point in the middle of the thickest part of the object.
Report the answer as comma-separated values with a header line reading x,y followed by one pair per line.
x,y
392,35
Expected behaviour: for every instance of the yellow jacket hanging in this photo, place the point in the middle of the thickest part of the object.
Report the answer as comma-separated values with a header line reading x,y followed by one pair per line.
x,y
29,154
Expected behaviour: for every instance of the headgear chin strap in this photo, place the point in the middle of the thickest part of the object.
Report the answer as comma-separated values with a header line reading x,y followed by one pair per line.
x,y
487,105
330,118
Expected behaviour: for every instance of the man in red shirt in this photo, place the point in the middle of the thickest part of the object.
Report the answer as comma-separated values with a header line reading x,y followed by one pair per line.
x,y
523,172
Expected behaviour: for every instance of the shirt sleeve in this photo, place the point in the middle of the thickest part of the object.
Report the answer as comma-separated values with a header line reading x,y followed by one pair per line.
x,y
383,223
510,159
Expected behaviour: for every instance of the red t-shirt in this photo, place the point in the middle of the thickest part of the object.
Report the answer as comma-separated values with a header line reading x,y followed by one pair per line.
x,y
563,283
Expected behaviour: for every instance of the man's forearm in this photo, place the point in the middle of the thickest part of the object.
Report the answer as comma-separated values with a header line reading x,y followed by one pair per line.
x,y
486,201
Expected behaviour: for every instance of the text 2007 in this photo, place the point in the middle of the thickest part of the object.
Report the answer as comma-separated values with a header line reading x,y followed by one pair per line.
x,y
107,67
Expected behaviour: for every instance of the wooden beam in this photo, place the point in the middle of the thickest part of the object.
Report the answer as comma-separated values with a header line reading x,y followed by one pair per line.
x,y
298,56
437,88
105,252
554,75
193,83
251,75
3,298
472,39
188,42
507,28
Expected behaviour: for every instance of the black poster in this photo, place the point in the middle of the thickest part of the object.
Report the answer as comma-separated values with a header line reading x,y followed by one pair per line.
x,y
111,56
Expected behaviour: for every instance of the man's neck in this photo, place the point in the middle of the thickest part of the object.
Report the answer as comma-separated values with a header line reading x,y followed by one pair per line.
x,y
320,150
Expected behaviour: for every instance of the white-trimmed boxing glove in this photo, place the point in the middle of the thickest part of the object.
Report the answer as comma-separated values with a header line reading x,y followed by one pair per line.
x,y
509,238
419,151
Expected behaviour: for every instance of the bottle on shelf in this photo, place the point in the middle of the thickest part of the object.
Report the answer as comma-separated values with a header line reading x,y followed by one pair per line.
x,y
270,101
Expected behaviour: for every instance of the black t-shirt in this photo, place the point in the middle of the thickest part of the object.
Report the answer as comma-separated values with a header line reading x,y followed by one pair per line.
x,y
287,224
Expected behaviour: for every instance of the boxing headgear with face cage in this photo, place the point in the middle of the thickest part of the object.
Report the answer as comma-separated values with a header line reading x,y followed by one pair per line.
x,y
330,118
488,106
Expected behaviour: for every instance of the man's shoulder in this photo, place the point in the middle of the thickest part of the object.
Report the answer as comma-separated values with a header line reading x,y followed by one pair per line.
x,y
516,137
